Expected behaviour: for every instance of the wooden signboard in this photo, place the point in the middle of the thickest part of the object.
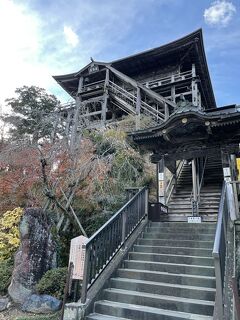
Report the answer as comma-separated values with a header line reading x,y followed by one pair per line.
x,y
77,256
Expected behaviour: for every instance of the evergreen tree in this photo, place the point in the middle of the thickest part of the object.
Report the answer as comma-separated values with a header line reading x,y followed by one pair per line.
x,y
32,113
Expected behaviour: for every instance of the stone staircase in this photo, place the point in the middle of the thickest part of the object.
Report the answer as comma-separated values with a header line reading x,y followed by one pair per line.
x,y
180,202
169,274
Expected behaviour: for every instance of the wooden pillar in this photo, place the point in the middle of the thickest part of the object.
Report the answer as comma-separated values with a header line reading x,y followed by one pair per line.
x,y
161,181
166,111
173,94
105,98
194,87
138,108
195,188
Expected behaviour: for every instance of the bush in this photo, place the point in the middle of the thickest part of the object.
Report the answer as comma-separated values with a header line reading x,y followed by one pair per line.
x,y
9,233
6,268
53,283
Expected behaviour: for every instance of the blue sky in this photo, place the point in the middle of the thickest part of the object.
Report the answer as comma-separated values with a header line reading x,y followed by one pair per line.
x,y
40,38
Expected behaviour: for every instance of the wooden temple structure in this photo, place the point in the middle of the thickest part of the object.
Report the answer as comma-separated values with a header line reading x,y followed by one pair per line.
x,y
168,92
176,269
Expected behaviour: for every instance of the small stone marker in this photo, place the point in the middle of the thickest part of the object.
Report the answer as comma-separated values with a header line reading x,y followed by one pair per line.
x,y
77,256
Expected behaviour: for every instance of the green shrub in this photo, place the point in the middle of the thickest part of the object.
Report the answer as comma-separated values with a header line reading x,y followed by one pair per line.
x,y
53,282
6,268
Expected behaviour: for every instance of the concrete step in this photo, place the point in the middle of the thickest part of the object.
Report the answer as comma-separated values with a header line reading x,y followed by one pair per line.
x,y
98,316
163,288
174,243
142,312
176,225
187,205
194,306
190,229
176,217
178,236
189,209
206,199
171,267
174,250
174,278
159,257
187,194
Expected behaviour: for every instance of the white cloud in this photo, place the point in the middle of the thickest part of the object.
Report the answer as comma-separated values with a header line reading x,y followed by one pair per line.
x,y
219,13
20,48
70,36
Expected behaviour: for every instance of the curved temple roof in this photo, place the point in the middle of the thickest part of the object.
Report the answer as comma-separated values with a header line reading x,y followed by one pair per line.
x,y
188,50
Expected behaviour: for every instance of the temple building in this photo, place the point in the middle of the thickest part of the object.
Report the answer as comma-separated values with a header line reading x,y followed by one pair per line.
x,y
189,232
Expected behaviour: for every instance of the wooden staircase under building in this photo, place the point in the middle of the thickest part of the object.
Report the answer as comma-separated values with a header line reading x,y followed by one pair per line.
x,y
180,206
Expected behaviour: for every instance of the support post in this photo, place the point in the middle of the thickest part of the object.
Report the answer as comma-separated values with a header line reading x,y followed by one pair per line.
x,y
105,97
138,108
194,87
173,93
195,188
166,111
161,181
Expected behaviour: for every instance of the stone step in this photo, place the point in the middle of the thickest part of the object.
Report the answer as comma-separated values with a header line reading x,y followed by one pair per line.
x,y
205,194
163,288
174,250
178,236
207,225
187,205
98,316
183,217
171,258
174,278
190,229
194,306
171,267
174,243
187,198
142,312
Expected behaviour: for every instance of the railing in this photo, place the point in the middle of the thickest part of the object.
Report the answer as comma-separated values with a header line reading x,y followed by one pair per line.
x,y
172,182
169,79
219,253
107,241
131,99
93,85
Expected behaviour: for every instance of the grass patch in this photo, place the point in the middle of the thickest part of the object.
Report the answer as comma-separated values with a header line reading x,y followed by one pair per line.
x,y
54,316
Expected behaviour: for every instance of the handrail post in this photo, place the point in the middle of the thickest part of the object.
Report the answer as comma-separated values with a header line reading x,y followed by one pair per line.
x,y
124,219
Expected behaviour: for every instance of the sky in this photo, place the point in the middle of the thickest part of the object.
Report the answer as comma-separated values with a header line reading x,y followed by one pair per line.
x,y
41,38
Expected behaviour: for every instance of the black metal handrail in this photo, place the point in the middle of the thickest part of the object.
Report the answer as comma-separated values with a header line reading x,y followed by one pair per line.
x,y
106,242
219,252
